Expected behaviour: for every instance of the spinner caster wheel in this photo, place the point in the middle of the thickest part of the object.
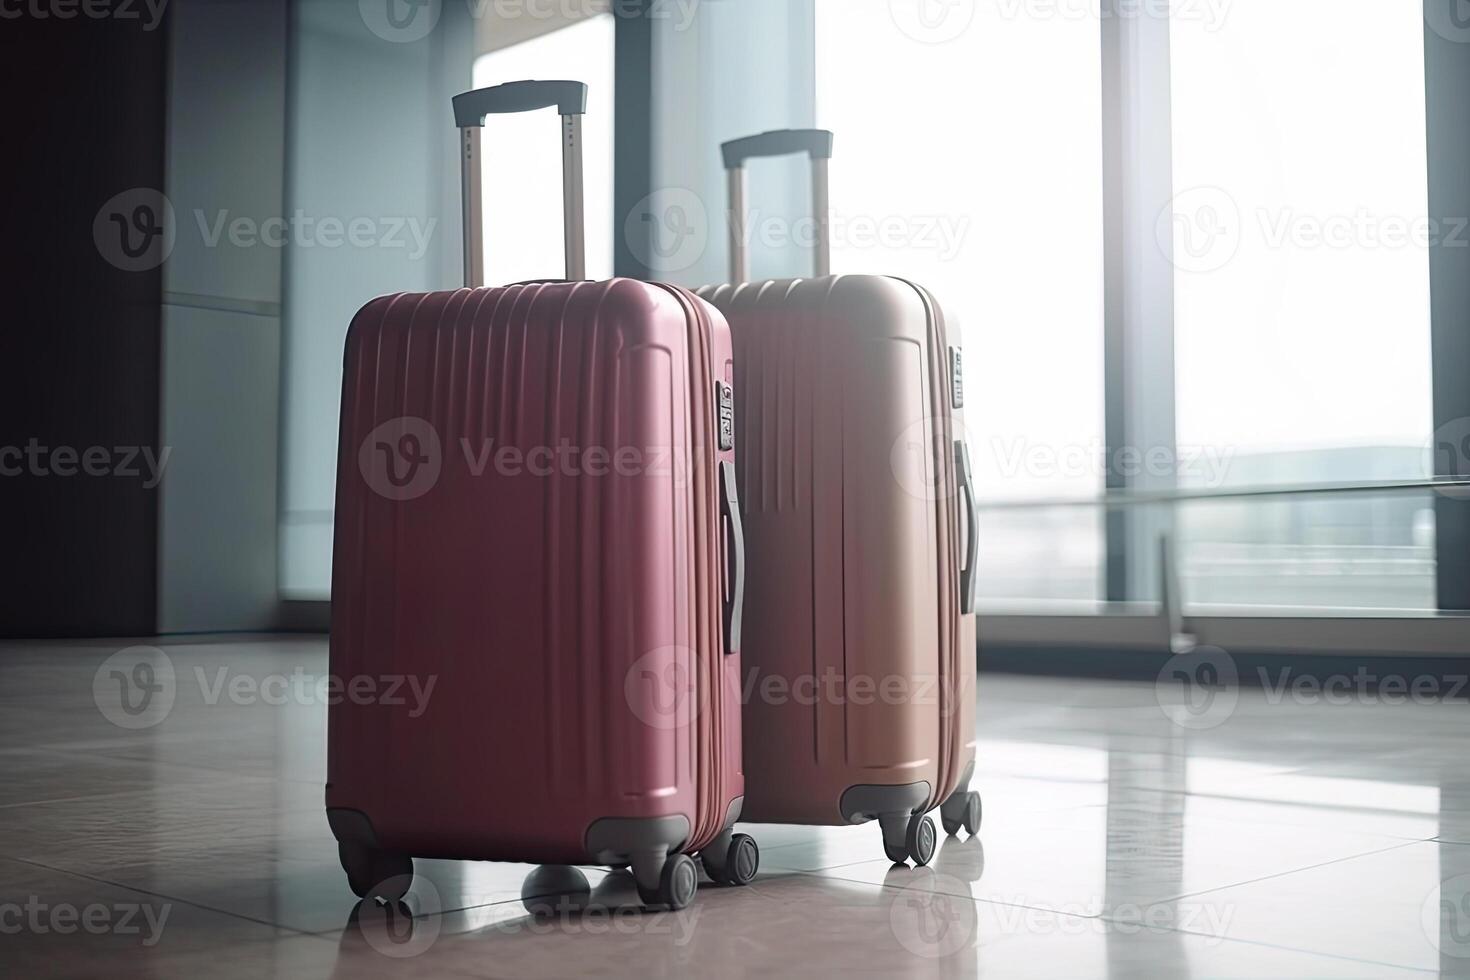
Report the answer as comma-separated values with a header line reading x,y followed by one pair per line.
x,y
677,884
961,812
921,840
738,863
376,874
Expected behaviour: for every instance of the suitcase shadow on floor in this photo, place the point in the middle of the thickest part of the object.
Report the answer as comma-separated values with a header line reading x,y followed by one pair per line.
x,y
554,899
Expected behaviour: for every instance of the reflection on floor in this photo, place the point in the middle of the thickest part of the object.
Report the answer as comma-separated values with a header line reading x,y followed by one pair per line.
x,y
1285,839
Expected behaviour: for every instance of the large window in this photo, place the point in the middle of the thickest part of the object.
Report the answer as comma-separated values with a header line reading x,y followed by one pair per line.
x,y
967,158
1301,236
523,226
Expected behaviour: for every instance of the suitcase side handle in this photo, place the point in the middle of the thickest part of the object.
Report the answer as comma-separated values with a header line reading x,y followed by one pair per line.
x,y
734,599
965,481
817,145
470,110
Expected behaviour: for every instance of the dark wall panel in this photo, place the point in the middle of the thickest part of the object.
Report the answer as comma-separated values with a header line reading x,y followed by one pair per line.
x,y
84,116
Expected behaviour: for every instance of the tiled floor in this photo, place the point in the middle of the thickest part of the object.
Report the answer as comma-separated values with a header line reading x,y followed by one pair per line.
x,y
1289,840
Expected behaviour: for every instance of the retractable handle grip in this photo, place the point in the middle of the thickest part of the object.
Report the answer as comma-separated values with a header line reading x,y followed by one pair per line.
x,y
470,110
816,144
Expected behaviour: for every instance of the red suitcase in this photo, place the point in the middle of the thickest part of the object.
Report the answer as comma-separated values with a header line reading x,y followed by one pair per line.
x,y
536,507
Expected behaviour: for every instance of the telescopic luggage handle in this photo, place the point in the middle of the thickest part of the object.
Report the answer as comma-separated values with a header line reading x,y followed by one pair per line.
x,y
816,144
470,110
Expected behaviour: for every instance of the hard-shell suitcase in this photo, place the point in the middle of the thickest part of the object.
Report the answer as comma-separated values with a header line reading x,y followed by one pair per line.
x,y
859,621
537,513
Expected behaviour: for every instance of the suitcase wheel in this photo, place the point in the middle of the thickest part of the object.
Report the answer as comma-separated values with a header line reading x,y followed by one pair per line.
x,y
919,838
961,810
376,874
734,863
677,883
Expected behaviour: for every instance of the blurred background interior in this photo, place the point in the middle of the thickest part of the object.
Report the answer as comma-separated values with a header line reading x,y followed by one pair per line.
x,y
1183,303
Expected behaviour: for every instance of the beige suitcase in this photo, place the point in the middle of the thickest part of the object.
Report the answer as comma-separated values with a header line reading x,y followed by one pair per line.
x,y
860,532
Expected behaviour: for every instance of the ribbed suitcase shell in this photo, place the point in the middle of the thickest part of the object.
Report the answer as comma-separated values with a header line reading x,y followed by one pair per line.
x,y
532,598
845,421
